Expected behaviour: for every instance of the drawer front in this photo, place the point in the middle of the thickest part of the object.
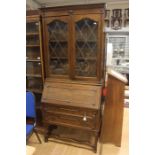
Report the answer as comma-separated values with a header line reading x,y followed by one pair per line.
x,y
69,110
66,115
70,120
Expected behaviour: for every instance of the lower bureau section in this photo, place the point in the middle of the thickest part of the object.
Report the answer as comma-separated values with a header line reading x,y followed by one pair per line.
x,y
75,119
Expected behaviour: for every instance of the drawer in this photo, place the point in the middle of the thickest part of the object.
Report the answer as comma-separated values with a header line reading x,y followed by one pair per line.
x,y
69,110
69,120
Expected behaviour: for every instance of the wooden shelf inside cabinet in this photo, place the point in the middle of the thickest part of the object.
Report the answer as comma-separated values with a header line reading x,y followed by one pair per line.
x,y
33,60
85,58
86,41
32,33
34,90
34,75
58,41
32,45
59,58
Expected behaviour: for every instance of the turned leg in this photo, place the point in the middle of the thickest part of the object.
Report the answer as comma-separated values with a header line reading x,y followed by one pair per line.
x,y
48,131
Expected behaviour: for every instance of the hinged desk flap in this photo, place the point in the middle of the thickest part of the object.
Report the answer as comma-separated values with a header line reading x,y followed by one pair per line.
x,y
77,95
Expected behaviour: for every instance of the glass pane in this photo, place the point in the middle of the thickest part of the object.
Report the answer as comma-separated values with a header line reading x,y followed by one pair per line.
x,y
86,47
58,47
32,27
32,40
33,53
33,68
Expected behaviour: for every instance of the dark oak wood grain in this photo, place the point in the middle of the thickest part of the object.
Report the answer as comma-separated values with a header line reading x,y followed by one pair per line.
x,y
76,95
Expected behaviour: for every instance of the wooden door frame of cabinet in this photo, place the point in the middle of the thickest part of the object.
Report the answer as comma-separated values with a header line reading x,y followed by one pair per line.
x,y
104,61
100,54
46,50
97,18
44,47
103,54
72,48
41,51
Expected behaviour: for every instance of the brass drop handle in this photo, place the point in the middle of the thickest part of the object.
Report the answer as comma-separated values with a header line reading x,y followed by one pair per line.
x,y
70,11
85,118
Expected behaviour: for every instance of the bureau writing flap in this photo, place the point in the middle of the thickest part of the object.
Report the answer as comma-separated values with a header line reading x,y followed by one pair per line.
x,y
78,95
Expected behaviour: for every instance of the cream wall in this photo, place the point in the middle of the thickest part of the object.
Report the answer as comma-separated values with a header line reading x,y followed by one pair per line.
x,y
117,5
110,3
31,5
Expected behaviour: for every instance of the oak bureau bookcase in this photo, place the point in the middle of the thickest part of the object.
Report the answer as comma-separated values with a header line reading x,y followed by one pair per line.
x,y
74,67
